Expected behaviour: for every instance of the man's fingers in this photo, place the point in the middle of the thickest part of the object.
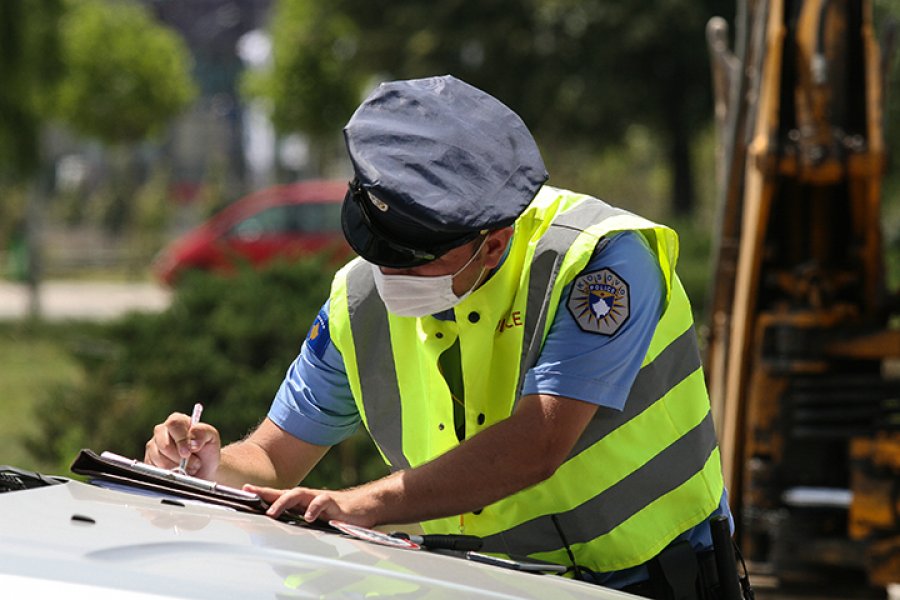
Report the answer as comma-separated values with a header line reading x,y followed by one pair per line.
x,y
297,498
162,449
314,504
175,440
266,493
153,455
281,500
176,427
319,505
200,435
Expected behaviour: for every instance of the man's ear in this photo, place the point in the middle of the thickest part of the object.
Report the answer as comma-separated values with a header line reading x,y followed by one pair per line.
x,y
495,246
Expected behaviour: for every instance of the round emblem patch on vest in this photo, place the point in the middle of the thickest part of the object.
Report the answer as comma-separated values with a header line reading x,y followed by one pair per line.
x,y
599,301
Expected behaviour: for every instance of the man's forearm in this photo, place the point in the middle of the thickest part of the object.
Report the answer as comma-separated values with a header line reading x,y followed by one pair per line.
x,y
455,483
245,462
502,460
478,472
268,456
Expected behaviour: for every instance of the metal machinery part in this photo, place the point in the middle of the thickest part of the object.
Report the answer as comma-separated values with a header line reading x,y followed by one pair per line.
x,y
801,356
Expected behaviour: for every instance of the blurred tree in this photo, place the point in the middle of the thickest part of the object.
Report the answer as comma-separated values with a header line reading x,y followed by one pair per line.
x,y
577,70
126,75
29,70
104,68
314,83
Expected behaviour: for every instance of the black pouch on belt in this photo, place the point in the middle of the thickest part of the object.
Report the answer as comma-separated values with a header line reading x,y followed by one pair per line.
x,y
675,573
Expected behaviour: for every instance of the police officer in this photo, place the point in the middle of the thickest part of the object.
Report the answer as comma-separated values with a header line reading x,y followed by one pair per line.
x,y
523,357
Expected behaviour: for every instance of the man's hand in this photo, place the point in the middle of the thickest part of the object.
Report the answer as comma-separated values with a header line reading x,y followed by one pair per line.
x,y
268,456
345,505
176,439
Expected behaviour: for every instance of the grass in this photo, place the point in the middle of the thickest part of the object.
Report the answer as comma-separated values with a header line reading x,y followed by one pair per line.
x,y
33,363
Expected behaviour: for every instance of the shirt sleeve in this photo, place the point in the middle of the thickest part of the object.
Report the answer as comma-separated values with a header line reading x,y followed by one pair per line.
x,y
599,367
314,402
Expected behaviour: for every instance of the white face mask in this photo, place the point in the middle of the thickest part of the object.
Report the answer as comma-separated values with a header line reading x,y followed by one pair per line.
x,y
416,296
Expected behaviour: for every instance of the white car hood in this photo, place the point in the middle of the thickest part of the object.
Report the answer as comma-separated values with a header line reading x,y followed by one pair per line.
x,y
76,540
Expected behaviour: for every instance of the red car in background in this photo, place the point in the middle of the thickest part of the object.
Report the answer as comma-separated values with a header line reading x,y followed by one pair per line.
x,y
283,221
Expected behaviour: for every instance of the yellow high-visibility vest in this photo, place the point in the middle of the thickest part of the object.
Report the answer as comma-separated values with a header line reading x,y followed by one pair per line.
x,y
635,480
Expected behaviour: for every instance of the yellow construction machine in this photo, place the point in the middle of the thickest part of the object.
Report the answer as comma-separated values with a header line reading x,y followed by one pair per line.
x,y
803,350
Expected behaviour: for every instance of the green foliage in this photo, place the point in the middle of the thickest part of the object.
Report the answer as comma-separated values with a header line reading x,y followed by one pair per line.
x,y
31,361
225,342
579,72
126,75
29,70
151,212
694,267
630,175
12,228
585,70
886,18
314,84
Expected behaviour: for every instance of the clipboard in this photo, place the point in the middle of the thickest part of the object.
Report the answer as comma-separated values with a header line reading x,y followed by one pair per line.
x,y
518,563
134,473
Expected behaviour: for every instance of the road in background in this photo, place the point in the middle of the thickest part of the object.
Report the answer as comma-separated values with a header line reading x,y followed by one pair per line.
x,y
90,300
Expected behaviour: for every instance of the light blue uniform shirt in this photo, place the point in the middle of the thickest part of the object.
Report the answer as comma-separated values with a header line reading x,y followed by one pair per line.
x,y
314,402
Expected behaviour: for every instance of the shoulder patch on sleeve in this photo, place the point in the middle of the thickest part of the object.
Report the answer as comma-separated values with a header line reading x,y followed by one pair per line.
x,y
318,337
599,301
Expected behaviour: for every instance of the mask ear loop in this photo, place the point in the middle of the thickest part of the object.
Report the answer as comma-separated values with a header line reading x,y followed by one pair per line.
x,y
478,280
473,257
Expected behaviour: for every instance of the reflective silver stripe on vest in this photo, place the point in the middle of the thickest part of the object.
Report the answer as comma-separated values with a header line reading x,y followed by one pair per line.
x,y
663,473
548,256
374,358
677,360
666,471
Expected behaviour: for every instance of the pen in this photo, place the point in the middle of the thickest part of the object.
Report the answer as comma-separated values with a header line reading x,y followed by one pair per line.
x,y
195,418
448,541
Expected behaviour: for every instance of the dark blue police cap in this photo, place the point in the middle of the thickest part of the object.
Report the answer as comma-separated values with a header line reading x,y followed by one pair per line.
x,y
437,162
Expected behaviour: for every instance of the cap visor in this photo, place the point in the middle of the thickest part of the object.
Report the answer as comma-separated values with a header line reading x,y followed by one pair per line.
x,y
368,243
